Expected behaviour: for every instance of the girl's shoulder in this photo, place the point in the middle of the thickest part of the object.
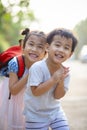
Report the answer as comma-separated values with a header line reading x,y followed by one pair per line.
x,y
13,65
39,63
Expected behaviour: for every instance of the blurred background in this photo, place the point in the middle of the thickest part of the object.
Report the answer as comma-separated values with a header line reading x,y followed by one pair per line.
x,y
45,15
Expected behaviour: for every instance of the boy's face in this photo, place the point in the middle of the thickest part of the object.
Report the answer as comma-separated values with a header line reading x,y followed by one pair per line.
x,y
60,49
35,48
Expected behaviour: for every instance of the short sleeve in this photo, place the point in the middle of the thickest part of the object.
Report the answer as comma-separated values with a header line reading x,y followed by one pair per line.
x,y
35,76
13,65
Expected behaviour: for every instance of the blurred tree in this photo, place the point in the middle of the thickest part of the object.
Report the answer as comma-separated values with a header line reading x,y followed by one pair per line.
x,y
5,44
14,16
81,30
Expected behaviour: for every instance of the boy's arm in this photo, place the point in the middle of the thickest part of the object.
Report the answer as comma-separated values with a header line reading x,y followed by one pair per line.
x,y
59,91
43,87
46,86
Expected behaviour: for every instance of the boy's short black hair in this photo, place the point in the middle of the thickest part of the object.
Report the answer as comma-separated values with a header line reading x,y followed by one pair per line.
x,y
62,32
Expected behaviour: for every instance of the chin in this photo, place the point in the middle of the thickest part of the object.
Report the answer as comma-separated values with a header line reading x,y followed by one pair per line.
x,y
57,61
35,60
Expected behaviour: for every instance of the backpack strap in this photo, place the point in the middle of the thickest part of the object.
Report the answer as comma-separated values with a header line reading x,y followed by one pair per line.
x,y
21,65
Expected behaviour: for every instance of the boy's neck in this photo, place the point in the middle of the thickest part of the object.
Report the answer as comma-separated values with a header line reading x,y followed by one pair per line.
x,y
52,67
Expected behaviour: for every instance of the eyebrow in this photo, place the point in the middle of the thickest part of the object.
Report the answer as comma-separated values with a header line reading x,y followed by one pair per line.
x,y
40,44
57,41
68,45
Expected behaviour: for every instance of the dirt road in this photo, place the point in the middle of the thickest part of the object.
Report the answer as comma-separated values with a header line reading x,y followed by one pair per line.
x,y
75,102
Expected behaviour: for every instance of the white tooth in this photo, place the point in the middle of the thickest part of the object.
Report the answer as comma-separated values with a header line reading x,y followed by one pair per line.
x,y
59,56
33,55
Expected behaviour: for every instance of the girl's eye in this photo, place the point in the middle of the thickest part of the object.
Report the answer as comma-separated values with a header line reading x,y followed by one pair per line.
x,y
41,47
30,43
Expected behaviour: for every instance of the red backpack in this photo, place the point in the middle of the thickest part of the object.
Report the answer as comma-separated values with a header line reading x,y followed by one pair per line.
x,y
8,54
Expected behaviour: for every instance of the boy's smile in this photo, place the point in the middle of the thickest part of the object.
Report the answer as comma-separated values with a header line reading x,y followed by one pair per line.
x,y
60,49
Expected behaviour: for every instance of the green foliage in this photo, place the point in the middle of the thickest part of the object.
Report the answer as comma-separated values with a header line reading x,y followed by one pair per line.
x,y
24,3
3,44
12,22
81,30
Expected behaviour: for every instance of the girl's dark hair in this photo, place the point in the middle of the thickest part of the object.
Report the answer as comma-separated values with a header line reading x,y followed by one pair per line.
x,y
28,33
63,32
20,41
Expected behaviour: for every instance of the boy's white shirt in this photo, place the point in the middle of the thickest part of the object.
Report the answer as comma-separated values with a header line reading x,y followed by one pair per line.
x,y
45,107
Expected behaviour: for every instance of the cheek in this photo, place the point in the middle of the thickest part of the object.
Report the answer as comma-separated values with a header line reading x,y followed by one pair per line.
x,y
25,50
68,54
41,53
51,48
27,46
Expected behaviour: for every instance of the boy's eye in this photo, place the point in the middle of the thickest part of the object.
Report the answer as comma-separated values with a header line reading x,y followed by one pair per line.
x,y
67,47
57,45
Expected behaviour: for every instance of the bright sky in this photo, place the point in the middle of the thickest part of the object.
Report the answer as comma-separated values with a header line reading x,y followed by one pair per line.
x,y
58,13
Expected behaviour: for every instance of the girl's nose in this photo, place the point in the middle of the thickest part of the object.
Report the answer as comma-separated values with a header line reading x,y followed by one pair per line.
x,y
34,48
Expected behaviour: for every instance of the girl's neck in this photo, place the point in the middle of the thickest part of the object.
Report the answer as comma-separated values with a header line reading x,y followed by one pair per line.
x,y
27,63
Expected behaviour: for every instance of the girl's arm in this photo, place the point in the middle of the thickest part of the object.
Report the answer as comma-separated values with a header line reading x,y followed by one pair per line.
x,y
15,84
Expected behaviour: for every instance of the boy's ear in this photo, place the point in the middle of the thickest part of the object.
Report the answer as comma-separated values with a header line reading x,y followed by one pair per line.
x,y
46,49
71,54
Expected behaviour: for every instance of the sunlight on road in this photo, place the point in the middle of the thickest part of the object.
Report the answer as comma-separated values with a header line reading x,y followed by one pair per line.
x,y
75,101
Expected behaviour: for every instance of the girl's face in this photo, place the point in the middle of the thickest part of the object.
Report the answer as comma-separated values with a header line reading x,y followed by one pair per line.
x,y
60,49
35,48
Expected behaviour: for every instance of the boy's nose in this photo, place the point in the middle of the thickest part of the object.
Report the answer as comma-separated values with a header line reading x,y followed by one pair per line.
x,y
61,49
